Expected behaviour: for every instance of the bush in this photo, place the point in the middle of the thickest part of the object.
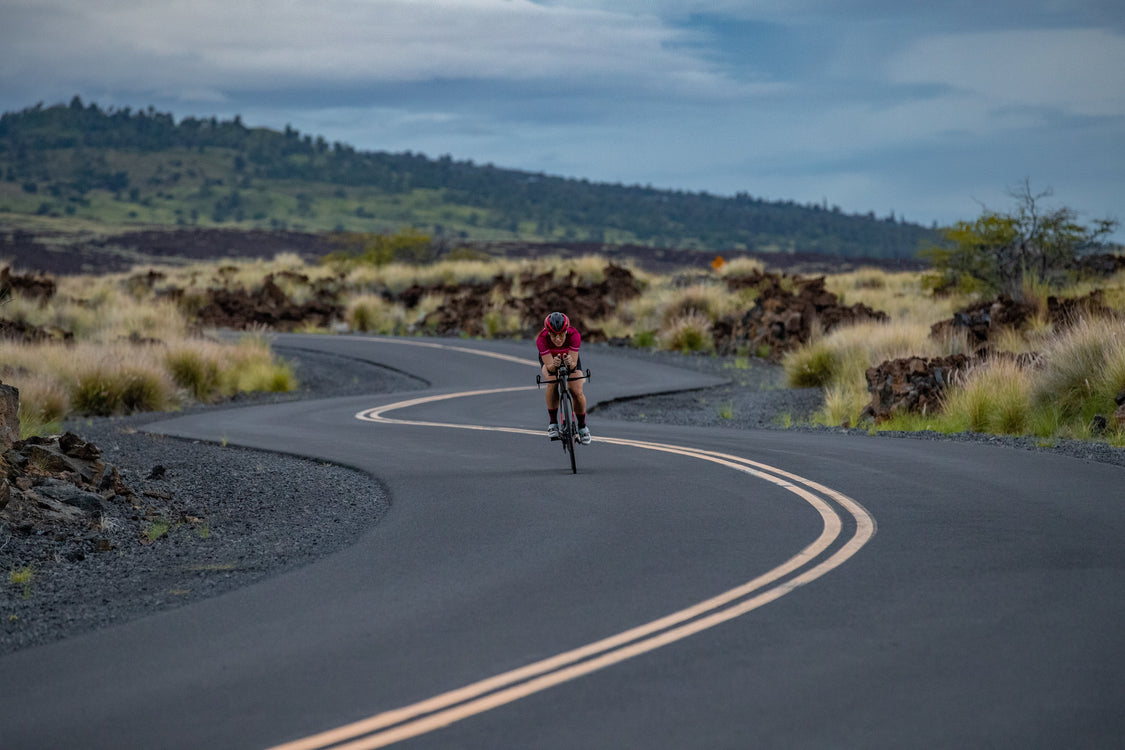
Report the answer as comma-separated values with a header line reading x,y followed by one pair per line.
x,y
690,333
814,365
145,390
101,390
265,376
361,317
95,392
370,313
697,300
995,398
998,251
1084,370
201,376
43,405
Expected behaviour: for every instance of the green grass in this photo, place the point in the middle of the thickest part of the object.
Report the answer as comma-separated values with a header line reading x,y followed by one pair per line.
x,y
188,188
815,365
156,529
1084,371
102,390
22,577
687,334
268,377
202,377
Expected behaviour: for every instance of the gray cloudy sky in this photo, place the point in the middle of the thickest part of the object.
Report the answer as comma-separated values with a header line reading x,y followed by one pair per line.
x,y
873,105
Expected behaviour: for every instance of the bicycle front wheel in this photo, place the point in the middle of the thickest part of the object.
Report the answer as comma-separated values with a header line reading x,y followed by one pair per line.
x,y
568,428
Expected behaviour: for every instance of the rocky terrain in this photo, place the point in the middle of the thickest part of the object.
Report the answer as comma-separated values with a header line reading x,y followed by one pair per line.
x,y
916,384
782,319
71,253
117,523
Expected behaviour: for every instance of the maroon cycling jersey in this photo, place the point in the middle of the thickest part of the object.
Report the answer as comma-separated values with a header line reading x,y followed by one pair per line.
x,y
547,347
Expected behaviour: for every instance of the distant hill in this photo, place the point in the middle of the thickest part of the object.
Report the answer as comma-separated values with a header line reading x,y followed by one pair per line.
x,y
123,168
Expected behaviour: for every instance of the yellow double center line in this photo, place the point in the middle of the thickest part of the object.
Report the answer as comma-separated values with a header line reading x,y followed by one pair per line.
x,y
820,557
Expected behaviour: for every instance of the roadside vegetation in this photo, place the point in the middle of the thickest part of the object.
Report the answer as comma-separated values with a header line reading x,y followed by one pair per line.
x,y
102,346
140,342
1078,371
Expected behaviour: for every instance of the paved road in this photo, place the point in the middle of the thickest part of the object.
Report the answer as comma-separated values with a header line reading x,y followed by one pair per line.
x,y
731,591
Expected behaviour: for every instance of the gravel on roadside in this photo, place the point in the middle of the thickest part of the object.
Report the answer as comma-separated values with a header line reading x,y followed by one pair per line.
x,y
253,514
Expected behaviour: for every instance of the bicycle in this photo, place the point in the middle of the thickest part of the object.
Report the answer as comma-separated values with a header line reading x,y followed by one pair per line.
x,y
568,424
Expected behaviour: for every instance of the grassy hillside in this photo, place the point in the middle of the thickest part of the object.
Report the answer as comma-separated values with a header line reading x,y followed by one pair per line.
x,y
122,168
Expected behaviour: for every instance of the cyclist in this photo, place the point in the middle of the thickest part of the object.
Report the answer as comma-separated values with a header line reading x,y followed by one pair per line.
x,y
558,343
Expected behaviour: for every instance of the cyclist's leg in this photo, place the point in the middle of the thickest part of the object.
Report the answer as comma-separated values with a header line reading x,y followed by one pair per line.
x,y
552,391
577,389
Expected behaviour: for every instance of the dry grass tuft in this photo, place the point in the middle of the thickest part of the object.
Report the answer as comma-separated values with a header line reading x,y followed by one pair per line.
x,y
994,398
688,333
1084,370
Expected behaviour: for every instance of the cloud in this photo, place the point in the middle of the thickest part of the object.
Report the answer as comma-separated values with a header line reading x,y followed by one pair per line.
x,y
209,46
1074,71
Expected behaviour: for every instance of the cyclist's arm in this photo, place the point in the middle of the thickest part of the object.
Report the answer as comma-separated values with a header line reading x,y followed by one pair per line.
x,y
575,341
550,361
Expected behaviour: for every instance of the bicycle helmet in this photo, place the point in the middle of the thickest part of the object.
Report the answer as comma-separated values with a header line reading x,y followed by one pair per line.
x,y
556,322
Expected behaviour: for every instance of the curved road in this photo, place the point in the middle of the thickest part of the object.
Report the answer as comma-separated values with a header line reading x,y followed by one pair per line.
x,y
688,588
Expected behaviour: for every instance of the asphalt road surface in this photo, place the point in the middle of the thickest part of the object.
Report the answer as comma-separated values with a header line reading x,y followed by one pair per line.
x,y
688,588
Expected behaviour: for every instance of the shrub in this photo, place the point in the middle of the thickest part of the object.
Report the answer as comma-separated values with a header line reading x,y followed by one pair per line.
x,y
698,300
843,403
815,365
95,392
43,405
740,267
370,313
847,352
1084,369
994,398
690,333
102,389
252,367
201,376
998,251
145,390
270,377
361,317
500,321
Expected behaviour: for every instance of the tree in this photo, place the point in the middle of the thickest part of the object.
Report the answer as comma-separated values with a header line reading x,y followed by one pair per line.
x,y
997,251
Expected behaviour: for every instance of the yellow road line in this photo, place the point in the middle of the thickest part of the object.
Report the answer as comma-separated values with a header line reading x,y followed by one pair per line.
x,y
447,708
450,347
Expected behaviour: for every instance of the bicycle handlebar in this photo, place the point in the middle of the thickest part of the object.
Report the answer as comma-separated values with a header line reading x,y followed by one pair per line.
x,y
539,378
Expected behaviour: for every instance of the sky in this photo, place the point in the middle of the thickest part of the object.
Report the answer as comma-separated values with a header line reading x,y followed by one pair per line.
x,y
930,111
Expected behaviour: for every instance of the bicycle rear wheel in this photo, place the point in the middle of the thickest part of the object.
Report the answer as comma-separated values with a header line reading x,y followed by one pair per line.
x,y
568,429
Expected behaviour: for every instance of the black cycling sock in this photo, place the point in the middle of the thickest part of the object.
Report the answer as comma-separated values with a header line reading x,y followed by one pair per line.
x,y
581,420
554,415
